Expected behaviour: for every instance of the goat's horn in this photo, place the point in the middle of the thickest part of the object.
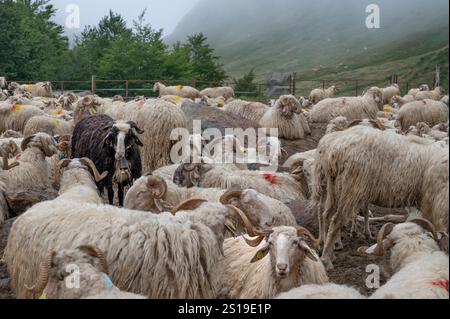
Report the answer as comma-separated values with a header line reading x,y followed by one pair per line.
x,y
44,273
26,141
425,224
97,253
86,161
190,204
189,167
384,232
229,195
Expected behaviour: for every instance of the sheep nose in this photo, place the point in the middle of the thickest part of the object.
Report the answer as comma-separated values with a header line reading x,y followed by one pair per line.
x,y
282,267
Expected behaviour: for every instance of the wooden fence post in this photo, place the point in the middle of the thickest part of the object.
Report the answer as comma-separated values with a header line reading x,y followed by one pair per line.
x,y
294,83
437,77
93,84
126,89
61,84
357,87
194,82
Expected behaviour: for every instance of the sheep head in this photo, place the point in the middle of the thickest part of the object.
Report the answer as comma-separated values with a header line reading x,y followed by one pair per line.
x,y
42,141
117,98
121,138
288,247
87,106
253,203
376,94
423,128
7,150
82,163
424,87
190,175
401,236
11,134
157,87
288,105
54,268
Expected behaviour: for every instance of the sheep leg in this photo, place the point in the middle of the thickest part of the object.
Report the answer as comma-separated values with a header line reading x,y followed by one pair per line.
x,y
367,232
120,194
336,224
111,195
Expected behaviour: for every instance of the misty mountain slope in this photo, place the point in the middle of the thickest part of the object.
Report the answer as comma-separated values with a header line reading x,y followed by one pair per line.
x,y
289,35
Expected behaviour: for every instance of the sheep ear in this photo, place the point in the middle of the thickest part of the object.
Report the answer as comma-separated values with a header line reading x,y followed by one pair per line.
x,y
138,141
443,241
261,254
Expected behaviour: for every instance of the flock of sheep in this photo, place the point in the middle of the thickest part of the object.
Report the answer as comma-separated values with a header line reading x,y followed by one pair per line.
x,y
214,230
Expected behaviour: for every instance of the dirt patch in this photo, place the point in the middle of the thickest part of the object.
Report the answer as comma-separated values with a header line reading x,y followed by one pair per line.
x,y
5,290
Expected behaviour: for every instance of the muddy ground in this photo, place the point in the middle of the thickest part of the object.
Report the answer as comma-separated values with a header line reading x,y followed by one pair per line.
x,y
350,266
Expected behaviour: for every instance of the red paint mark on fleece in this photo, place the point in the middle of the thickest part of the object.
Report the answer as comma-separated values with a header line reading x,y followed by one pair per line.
x,y
270,178
442,284
424,103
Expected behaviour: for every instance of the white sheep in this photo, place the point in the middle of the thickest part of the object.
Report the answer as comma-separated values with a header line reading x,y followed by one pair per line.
x,y
179,90
433,133
429,95
318,95
47,124
286,259
397,101
252,111
326,291
421,268
15,116
286,116
365,107
215,92
89,266
156,194
428,111
357,167
389,92
414,91
281,186
159,256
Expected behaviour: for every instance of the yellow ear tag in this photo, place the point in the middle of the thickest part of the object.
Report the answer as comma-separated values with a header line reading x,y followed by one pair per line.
x,y
43,296
178,99
242,149
92,111
431,235
260,255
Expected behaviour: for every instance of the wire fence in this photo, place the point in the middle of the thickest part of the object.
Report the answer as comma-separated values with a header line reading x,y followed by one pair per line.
x,y
292,84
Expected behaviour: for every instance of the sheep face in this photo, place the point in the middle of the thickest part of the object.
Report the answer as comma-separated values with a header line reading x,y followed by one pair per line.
x,y
156,87
287,250
11,134
89,263
415,236
190,175
120,140
42,141
88,106
423,128
377,95
287,105
424,87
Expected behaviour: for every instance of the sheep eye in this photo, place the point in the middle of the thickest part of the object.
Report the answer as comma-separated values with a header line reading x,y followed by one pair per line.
x,y
295,243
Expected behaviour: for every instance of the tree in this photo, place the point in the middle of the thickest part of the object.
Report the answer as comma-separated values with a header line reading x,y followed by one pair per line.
x,y
246,83
26,34
204,63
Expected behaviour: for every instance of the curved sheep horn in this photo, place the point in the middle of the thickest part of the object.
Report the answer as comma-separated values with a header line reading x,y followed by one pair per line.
x,y
384,232
96,253
254,242
157,187
136,130
376,124
354,123
44,273
91,165
427,225
87,101
26,141
303,232
190,204
240,215
229,195
189,167
6,165
45,148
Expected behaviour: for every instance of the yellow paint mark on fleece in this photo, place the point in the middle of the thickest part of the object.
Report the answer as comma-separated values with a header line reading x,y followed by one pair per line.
x,y
387,110
57,112
17,107
221,102
179,87
56,122
178,99
30,86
